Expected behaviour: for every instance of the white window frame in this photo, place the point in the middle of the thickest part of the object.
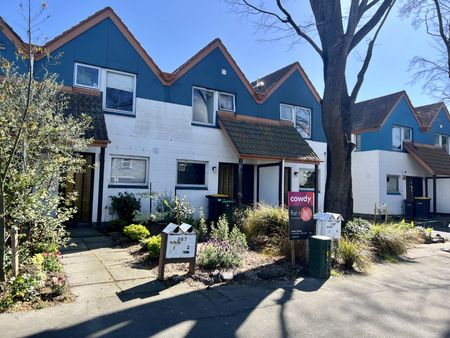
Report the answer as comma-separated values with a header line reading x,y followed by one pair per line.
x,y
75,76
402,136
294,117
398,185
215,106
125,112
129,157
205,185
229,94
441,136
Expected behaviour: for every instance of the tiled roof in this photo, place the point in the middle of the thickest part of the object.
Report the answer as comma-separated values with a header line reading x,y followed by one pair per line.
x,y
371,114
426,114
433,159
263,138
91,105
268,81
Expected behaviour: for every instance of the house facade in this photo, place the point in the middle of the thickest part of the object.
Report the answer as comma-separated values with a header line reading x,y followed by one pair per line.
x,y
401,153
203,129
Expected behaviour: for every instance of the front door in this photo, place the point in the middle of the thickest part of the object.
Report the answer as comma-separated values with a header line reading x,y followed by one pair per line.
x,y
83,186
228,181
414,187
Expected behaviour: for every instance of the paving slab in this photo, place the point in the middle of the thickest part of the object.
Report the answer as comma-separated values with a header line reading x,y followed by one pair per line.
x,y
120,273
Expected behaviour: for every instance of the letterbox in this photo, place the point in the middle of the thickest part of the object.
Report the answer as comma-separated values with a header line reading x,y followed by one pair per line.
x,y
328,224
181,241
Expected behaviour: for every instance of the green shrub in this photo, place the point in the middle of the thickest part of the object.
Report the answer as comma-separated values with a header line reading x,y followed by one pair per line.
x,y
117,225
51,263
201,226
25,287
392,240
46,247
218,254
125,204
356,228
152,245
268,228
136,232
221,230
174,210
353,253
238,240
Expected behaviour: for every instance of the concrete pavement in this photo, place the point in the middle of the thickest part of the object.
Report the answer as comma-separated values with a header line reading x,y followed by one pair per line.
x,y
408,299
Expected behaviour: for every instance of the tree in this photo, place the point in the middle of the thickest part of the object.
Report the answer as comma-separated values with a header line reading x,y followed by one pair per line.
x,y
339,35
434,71
38,151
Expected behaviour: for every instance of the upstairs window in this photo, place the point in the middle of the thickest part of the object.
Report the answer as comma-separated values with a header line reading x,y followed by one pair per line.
x,y
399,135
119,92
206,102
441,141
87,76
300,116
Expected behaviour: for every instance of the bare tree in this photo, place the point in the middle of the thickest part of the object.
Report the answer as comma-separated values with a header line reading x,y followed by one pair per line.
x,y
334,33
433,71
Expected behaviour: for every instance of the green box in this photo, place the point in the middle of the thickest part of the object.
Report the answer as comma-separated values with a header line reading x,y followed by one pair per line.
x,y
319,256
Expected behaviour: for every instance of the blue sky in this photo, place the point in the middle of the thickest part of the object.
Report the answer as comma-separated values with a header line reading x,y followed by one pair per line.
x,y
173,30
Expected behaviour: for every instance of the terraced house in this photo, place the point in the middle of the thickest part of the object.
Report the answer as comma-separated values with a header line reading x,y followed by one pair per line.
x,y
202,129
402,153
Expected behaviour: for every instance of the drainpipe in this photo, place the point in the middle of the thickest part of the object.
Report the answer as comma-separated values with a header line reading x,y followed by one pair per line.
x,y
100,187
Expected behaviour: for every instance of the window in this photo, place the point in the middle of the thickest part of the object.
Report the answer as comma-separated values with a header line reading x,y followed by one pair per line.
x,y
191,173
87,76
306,179
226,102
399,135
300,116
203,106
392,184
119,92
129,170
441,141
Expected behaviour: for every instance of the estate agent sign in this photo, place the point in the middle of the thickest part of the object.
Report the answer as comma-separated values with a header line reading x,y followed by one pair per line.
x,y
301,222
178,245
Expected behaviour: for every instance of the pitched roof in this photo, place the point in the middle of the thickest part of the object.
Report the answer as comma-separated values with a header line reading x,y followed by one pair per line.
x,y
168,79
265,139
433,159
269,80
10,33
427,114
90,105
371,114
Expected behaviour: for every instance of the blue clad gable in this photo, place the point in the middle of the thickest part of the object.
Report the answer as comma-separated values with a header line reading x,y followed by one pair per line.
x,y
441,125
104,45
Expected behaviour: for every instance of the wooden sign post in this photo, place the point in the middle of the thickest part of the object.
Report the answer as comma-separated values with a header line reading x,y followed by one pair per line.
x,y
178,245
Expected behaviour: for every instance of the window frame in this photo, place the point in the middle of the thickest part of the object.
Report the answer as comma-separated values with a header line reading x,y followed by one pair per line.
x,y
402,136
388,176
192,185
129,184
294,117
105,72
358,141
300,170
99,77
441,136
214,108
218,101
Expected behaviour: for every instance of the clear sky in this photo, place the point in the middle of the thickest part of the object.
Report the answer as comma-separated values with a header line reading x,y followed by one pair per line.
x,y
173,30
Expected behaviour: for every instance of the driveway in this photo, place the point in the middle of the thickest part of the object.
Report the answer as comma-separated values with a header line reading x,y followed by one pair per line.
x,y
407,299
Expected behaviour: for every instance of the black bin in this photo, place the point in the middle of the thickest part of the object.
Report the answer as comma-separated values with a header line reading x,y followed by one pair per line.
x,y
422,207
214,206
226,208
409,209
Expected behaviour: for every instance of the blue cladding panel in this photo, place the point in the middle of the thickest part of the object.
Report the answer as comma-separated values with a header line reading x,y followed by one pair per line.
x,y
441,120
382,139
10,53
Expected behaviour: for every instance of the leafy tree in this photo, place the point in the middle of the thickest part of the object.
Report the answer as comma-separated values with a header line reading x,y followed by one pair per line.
x,y
340,31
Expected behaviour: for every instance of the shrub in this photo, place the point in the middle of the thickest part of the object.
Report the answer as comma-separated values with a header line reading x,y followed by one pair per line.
x,y
51,263
392,240
117,225
176,210
221,230
353,253
201,226
136,232
238,240
268,228
152,245
25,287
356,228
218,254
125,204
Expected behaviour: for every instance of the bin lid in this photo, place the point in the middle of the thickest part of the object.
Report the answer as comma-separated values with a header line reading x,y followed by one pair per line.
x,y
422,198
328,216
217,196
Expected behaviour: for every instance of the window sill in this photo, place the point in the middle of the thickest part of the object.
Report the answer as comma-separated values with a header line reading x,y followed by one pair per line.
x,y
196,124
190,187
128,186
119,113
394,193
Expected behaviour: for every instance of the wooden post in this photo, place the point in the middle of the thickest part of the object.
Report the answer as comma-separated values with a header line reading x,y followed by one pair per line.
x,y
316,188
162,254
434,195
240,181
292,252
15,251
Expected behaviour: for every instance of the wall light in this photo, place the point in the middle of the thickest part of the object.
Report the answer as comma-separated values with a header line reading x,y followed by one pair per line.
x,y
214,169
295,173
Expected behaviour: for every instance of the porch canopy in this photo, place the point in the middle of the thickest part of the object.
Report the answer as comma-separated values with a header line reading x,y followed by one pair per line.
x,y
435,160
265,139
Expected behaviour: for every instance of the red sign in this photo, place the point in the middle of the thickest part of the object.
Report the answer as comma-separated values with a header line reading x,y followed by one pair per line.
x,y
301,222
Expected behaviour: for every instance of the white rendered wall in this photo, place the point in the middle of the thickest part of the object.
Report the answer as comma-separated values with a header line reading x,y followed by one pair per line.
x,y
269,185
443,195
